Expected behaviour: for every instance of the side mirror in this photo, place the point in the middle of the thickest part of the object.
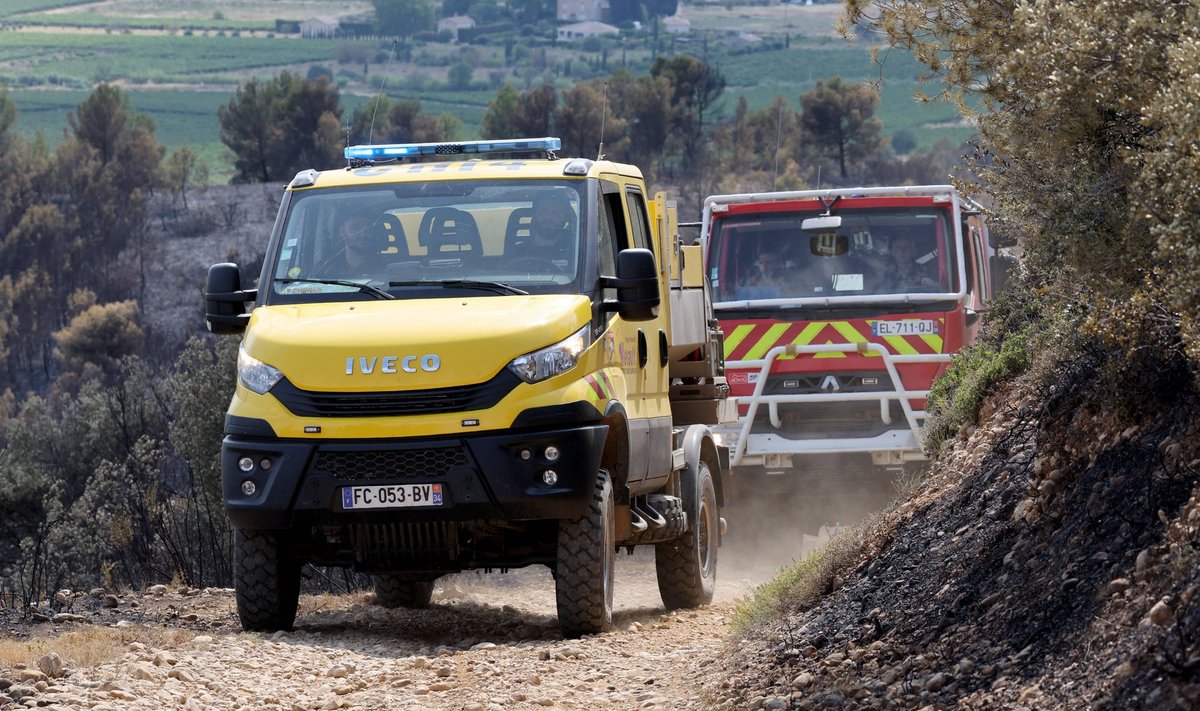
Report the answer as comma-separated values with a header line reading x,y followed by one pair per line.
x,y
224,299
636,284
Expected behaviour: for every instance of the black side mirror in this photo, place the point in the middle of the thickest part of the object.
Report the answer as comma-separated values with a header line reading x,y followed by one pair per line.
x,y
636,284
224,299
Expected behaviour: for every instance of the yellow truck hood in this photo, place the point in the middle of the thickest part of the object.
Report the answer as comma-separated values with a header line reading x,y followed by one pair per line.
x,y
408,344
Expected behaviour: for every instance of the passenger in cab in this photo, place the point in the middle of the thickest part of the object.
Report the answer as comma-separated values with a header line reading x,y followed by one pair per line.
x,y
765,277
552,231
905,273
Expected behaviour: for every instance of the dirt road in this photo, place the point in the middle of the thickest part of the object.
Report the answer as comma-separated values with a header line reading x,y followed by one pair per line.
x,y
487,642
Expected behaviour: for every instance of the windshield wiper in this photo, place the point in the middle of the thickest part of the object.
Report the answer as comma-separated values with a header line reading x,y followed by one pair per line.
x,y
496,286
365,288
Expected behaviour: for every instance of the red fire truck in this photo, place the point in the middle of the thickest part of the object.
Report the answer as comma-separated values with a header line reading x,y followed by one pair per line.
x,y
839,307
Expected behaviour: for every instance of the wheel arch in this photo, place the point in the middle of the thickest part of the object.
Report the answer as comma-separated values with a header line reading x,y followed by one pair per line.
x,y
615,457
698,445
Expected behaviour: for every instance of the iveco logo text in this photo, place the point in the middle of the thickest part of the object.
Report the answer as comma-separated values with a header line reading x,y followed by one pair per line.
x,y
394,364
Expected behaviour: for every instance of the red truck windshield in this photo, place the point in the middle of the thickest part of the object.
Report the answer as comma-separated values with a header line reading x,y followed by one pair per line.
x,y
897,250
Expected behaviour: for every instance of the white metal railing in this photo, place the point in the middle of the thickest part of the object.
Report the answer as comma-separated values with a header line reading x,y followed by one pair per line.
x,y
890,361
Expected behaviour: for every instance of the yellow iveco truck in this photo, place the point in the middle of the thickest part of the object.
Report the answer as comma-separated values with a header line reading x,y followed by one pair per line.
x,y
461,361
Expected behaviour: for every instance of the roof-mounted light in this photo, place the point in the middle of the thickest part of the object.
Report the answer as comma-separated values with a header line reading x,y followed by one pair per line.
x,y
397,151
579,166
305,178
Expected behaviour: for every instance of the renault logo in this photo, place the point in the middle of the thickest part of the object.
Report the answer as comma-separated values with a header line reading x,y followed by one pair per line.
x,y
830,384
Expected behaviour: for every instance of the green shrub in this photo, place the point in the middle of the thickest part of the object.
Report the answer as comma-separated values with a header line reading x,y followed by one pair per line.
x,y
975,371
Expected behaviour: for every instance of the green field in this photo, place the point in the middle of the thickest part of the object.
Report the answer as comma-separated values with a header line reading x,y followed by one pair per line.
x,y
242,13
17,7
81,59
180,78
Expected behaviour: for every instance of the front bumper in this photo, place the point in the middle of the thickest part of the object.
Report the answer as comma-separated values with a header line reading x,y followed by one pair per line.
x,y
494,476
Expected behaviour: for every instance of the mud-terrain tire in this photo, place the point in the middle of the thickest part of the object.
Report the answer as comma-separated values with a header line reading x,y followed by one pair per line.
x,y
585,566
266,582
687,566
392,591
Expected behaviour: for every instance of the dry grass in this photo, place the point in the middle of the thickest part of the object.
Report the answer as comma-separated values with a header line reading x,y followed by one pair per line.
x,y
88,646
334,601
802,585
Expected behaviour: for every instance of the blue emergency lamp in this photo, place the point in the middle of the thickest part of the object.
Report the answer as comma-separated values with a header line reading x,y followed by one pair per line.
x,y
397,151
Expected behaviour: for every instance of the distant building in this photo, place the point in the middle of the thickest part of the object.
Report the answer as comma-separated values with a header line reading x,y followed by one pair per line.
x,y
455,23
581,10
580,30
676,25
319,27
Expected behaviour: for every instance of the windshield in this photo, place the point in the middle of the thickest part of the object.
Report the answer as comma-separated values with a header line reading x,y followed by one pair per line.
x,y
874,252
500,237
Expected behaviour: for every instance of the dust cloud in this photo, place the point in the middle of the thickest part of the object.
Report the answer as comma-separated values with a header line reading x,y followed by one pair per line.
x,y
775,519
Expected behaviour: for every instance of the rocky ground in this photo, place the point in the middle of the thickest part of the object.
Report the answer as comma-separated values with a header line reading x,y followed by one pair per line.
x,y
487,642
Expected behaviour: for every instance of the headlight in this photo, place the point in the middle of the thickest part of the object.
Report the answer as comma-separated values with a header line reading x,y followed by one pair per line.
x,y
550,361
255,374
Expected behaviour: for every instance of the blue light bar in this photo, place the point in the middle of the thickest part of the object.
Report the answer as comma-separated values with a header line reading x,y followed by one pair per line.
x,y
408,150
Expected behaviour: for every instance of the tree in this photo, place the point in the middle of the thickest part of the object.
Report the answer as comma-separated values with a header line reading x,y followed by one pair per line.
x,y
403,17
696,86
278,127
18,167
381,121
308,133
499,118
579,122
535,112
839,121
459,76
100,336
183,170
1084,113
100,119
644,105
247,129
528,12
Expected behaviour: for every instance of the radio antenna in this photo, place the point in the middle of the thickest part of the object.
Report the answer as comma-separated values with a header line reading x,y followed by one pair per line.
x,y
603,116
379,97
778,129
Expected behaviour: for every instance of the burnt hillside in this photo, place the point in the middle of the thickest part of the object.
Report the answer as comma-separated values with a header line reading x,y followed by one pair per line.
x,y
221,223
1049,561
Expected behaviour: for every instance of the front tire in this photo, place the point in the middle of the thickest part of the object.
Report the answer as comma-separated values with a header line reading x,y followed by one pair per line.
x,y
586,564
266,582
687,566
392,591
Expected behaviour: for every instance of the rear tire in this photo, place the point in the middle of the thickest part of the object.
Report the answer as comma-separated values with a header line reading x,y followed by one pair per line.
x,y
266,582
585,566
687,566
392,591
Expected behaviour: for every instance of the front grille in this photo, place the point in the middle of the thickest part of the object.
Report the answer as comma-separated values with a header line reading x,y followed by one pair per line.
x,y
830,419
797,383
310,403
404,545
368,465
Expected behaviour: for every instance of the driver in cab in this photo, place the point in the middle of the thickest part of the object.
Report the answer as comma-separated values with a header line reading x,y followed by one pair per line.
x,y
552,236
